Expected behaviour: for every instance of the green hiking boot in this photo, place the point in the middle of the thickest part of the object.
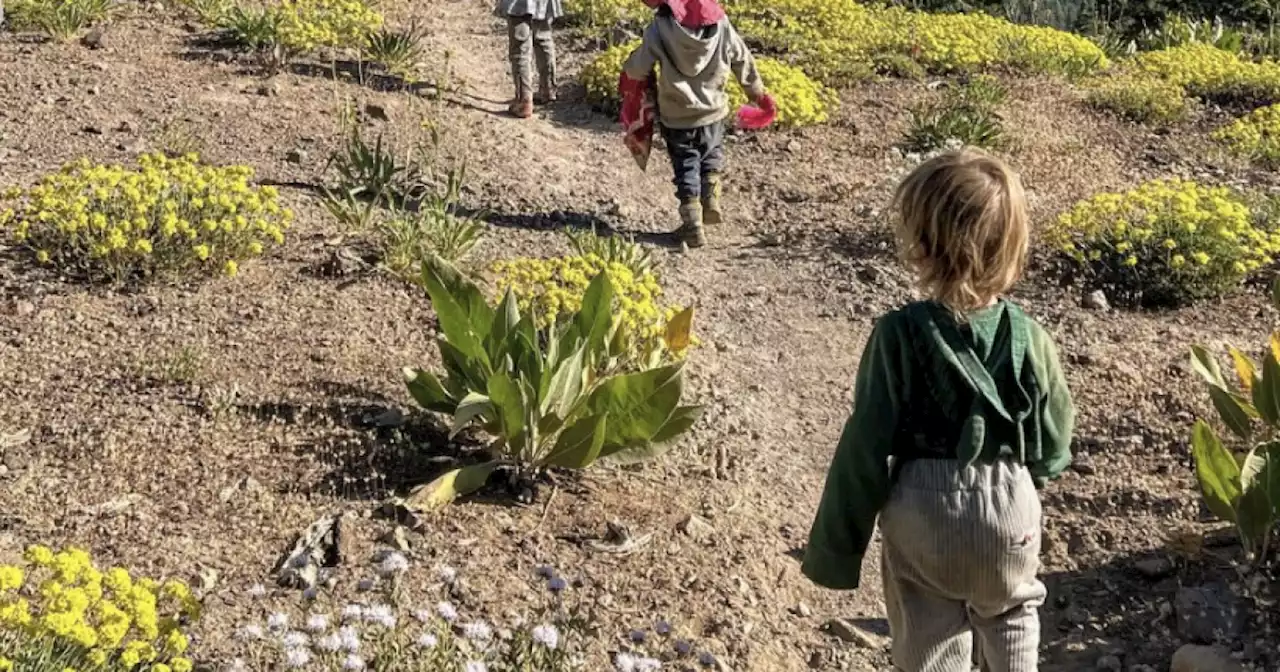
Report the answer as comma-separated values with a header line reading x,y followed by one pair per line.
x,y
711,187
690,231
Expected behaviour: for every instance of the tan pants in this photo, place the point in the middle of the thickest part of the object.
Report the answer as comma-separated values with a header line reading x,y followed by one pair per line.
x,y
521,31
961,552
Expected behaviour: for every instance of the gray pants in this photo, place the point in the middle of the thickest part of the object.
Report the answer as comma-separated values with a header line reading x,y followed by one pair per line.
x,y
961,552
521,30
696,154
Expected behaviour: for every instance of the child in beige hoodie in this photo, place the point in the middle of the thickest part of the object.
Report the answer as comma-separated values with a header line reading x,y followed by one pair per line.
x,y
697,50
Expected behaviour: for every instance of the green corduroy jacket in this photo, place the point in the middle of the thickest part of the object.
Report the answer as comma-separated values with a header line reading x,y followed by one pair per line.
x,y
986,388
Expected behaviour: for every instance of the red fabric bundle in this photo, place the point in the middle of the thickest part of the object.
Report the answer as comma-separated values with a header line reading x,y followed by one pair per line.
x,y
639,110
758,116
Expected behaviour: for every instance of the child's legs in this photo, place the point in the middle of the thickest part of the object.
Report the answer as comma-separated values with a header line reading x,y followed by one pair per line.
x,y
685,148
971,535
713,159
930,633
519,34
544,50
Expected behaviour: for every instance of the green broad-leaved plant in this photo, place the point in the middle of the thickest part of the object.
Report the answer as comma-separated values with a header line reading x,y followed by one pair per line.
x,y
551,397
1243,488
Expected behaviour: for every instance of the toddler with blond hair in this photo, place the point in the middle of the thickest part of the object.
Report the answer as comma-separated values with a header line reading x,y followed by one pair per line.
x,y
961,412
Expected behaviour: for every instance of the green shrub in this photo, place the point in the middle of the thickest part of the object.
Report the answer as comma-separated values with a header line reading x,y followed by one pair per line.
x,y
549,397
1140,98
1255,137
209,12
172,216
398,51
1167,242
966,115
371,172
1244,491
612,249
60,19
252,28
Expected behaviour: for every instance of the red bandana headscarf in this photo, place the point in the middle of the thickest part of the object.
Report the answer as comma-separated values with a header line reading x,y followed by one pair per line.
x,y
691,13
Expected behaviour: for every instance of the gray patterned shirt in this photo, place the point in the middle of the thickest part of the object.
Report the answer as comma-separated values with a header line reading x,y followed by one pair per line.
x,y
540,10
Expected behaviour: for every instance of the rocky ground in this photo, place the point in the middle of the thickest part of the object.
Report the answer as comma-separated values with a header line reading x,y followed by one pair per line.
x,y
179,429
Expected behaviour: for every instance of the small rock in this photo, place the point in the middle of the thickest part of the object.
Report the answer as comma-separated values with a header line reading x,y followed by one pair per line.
x,y
125,127
390,419
848,632
802,610
696,528
1110,664
1193,658
23,308
94,39
1154,568
296,156
376,112
269,89
1209,613
1096,300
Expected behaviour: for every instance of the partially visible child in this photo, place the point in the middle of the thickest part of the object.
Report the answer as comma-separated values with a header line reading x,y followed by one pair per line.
x,y
961,412
696,49
530,21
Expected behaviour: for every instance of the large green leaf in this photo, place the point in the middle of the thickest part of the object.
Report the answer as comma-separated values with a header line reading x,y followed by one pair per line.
x,y
508,403
449,486
565,386
638,404
505,319
578,446
1204,363
465,317
1217,471
1275,293
1261,473
465,374
595,319
1231,411
472,407
680,422
1260,486
428,392
1266,394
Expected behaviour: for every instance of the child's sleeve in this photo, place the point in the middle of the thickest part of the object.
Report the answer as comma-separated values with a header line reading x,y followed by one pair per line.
x,y
858,481
639,65
743,66
1057,412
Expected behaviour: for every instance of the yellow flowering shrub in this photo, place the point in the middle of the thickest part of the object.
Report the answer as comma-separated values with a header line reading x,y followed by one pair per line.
x,y
169,216
59,611
801,100
598,17
836,41
306,25
1137,97
552,289
1166,242
1255,137
1208,72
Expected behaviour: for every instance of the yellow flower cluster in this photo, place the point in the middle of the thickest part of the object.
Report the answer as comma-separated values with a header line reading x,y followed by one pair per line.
x,y
1167,241
171,215
1205,71
552,289
306,25
801,101
836,40
1141,98
1256,136
60,602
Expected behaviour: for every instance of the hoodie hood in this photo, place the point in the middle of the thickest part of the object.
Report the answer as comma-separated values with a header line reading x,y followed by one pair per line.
x,y
690,50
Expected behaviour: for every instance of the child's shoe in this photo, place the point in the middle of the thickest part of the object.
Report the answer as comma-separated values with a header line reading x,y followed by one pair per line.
x,y
711,187
690,231
546,95
522,108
